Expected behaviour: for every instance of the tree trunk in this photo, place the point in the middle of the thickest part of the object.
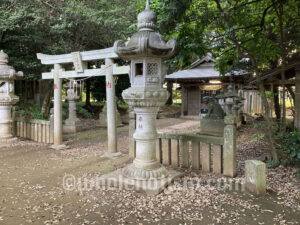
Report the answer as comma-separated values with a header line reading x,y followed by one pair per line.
x,y
276,103
292,93
47,101
269,123
88,93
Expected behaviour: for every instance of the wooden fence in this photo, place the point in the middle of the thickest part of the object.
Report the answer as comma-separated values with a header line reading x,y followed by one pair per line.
x,y
36,130
185,150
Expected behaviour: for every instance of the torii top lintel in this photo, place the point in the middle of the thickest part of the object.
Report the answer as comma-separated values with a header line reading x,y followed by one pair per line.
x,y
85,56
79,59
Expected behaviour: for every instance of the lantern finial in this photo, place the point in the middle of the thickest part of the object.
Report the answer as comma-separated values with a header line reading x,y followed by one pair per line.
x,y
147,5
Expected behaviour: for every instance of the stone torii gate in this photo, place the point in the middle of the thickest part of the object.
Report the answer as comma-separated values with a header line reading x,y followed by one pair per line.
x,y
79,61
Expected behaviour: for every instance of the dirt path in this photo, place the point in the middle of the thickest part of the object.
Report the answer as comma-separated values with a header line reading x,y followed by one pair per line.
x,y
32,190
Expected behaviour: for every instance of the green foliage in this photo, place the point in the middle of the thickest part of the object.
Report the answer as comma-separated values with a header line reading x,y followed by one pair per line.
x,y
260,135
291,146
273,164
122,105
82,112
30,111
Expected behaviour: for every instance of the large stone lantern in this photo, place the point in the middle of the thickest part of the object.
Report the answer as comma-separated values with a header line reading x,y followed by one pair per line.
x,y
7,96
146,49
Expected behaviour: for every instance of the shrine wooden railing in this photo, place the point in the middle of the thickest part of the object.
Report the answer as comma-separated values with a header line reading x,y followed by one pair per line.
x,y
36,130
200,152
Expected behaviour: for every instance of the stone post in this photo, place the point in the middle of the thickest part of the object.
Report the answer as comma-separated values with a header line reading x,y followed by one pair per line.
x,y
255,172
229,154
132,128
7,96
111,111
58,128
297,99
51,126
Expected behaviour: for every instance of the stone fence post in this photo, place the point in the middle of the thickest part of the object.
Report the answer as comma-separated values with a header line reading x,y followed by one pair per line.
x,y
132,127
51,125
229,154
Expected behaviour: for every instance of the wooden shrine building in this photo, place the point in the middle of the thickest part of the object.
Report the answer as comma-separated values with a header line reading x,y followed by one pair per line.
x,y
202,79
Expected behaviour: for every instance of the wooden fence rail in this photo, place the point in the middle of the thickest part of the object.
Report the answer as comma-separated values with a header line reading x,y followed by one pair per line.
x,y
201,152
36,130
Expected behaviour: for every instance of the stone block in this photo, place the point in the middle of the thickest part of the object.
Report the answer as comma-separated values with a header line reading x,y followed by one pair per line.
x,y
72,126
255,172
213,127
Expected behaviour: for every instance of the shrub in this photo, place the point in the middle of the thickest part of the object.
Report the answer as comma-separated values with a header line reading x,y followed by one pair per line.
x,y
291,146
83,112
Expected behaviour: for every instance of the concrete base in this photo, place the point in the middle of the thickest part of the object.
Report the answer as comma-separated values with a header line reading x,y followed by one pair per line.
x,y
72,126
7,141
111,154
59,147
150,187
212,127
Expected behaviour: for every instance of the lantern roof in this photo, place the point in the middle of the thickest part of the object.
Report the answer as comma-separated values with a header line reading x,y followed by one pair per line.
x,y
3,58
7,72
147,42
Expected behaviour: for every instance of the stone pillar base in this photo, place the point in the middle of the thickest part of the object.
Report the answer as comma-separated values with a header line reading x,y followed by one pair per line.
x,y
72,126
117,179
111,154
59,147
7,141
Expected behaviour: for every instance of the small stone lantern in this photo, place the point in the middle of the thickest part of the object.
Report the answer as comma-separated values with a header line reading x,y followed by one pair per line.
x,y
7,95
72,124
146,49
230,97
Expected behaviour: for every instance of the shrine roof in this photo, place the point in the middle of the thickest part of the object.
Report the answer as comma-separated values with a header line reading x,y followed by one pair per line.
x,y
203,69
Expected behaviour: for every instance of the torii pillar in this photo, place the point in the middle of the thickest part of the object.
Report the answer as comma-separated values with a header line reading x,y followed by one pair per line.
x,y
112,141
58,126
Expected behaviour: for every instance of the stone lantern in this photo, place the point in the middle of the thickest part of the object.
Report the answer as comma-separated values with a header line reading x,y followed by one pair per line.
x,y
7,96
146,49
230,103
72,124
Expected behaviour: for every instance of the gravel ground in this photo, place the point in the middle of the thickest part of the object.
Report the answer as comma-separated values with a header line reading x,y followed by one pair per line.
x,y
32,190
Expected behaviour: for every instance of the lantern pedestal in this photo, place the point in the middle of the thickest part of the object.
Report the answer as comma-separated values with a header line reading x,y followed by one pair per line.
x,y
145,173
117,179
5,121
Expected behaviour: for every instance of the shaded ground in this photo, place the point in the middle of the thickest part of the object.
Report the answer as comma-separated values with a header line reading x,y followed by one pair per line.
x,y
32,190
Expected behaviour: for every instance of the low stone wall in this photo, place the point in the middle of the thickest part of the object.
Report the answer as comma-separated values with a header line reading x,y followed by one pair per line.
x,y
36,130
